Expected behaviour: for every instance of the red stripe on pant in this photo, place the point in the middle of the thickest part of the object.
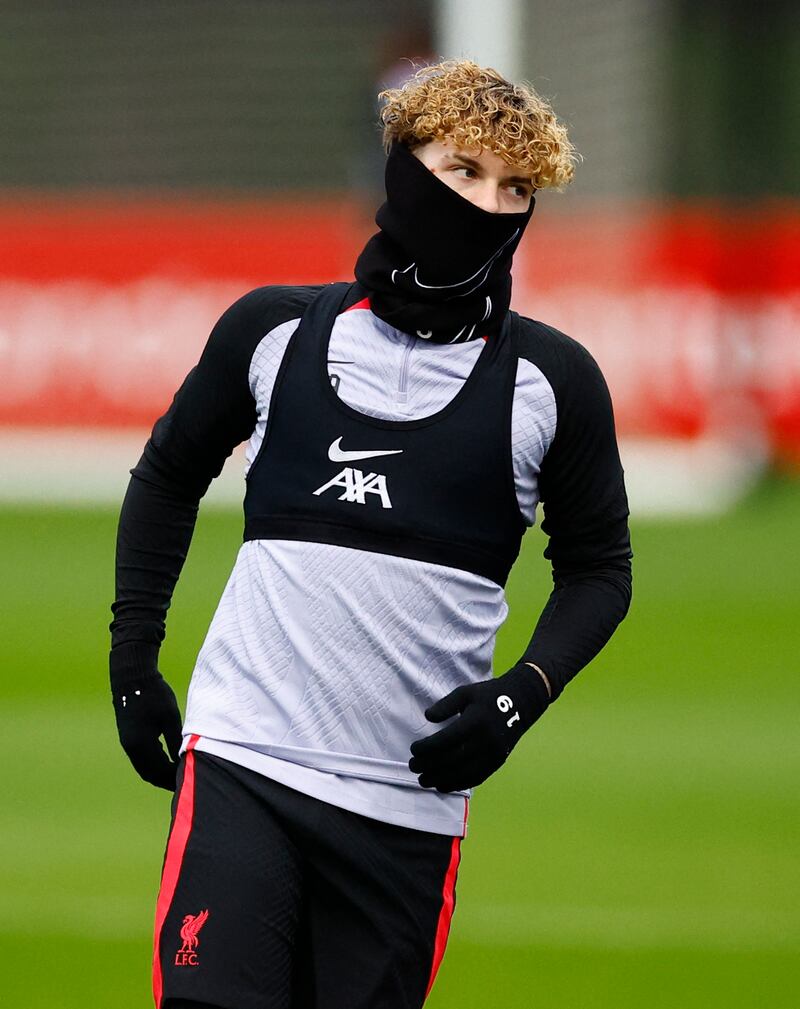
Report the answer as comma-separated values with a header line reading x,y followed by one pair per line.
x,y
176,846
446,914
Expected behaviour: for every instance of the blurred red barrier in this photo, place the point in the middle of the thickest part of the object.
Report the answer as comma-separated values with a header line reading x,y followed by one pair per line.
x,y
693,312
115,242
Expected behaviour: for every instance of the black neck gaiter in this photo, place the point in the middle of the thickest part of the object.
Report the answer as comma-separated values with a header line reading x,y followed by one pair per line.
x,y
440,267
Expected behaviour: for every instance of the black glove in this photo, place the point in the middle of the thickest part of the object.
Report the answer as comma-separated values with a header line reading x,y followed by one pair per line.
x,y
146,709
492,717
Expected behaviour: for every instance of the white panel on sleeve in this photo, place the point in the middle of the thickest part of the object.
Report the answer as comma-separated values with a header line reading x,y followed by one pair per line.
x,y
264,367
533,427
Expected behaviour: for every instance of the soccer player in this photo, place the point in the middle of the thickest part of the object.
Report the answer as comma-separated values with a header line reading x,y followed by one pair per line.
x,y
402,431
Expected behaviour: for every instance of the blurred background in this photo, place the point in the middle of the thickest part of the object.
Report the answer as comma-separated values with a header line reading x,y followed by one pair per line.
x,y
159,160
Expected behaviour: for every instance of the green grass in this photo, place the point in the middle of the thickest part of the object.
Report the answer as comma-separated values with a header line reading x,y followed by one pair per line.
x,y
638,851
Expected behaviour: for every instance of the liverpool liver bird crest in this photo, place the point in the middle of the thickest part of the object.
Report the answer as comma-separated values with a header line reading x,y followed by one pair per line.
x,y
192,923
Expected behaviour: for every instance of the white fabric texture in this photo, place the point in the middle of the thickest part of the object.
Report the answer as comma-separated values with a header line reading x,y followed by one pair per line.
x,y
321,659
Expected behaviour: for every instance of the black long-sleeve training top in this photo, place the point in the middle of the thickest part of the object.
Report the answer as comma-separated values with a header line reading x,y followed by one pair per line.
x,y
357,599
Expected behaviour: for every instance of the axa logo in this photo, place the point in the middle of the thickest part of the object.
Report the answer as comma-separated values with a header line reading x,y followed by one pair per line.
x,y
354,482
357,485
187,954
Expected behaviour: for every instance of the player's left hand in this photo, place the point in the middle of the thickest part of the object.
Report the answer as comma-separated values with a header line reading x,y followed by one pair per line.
x,y
489,719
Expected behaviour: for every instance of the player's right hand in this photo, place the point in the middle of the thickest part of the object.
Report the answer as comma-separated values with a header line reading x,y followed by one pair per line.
x,y
146,709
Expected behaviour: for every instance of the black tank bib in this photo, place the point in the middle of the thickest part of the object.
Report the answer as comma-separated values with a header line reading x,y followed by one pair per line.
x,y
438,489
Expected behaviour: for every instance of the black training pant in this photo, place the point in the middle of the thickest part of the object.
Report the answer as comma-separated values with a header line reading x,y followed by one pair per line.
x,y
271,899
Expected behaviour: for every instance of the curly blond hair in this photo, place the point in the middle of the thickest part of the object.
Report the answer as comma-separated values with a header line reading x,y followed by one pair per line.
x,y
473,106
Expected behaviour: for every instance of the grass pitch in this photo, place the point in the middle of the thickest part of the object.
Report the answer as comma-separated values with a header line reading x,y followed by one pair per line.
x,y
638,850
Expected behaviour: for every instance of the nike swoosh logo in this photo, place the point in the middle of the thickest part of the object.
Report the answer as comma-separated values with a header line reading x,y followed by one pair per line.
x,y
338,454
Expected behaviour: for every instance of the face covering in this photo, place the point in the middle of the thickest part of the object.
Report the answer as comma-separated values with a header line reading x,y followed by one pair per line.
x,y
440,267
